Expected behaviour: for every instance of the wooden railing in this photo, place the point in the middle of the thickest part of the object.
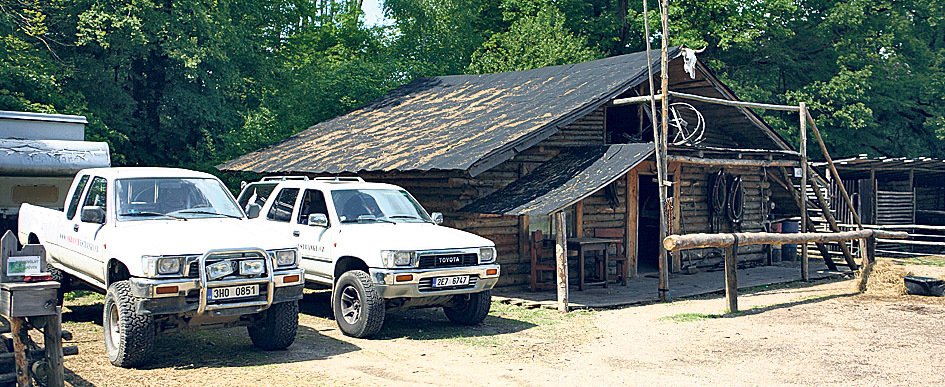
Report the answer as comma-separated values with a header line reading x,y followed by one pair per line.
x,y
728,241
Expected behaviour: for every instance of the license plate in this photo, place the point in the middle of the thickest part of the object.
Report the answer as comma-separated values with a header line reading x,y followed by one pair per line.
x,y
240,291
442,282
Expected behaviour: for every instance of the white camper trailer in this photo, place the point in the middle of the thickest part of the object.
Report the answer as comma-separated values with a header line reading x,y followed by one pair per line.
x,y
39,156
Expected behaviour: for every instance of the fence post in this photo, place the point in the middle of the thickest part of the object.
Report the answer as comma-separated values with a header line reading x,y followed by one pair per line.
x,y
731,281
867,268
561,260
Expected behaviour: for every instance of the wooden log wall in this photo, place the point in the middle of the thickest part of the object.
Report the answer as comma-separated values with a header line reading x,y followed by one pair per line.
x,y
695,213
448,191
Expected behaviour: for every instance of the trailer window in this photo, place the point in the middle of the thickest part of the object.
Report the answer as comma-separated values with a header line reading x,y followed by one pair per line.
x,y
74,201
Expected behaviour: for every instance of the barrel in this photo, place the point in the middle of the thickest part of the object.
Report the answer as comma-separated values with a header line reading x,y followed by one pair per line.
x,y
789,252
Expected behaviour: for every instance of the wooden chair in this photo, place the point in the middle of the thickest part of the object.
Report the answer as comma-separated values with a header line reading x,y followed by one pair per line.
x,y
543,261
620,256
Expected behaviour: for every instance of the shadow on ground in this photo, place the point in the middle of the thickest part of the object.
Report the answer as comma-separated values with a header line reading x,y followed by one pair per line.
x,y
219,348
423,324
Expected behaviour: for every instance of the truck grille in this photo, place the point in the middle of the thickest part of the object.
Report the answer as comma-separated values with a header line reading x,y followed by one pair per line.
x,y
426,285
193,270
448,260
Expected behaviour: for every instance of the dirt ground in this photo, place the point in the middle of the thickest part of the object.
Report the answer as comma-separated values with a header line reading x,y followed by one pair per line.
x,y
817,333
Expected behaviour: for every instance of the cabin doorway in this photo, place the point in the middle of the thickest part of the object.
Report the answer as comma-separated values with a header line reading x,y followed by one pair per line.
x,y
648,229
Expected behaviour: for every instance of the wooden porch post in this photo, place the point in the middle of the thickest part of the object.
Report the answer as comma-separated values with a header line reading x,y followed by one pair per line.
x,y
632,217
579,219
677,212
805,274
561,260
524,239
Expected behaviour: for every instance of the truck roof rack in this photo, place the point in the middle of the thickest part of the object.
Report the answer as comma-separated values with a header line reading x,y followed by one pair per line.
x,y
340,179
284,178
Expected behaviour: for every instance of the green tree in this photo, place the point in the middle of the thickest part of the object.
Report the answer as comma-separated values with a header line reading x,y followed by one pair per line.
x,y
537,36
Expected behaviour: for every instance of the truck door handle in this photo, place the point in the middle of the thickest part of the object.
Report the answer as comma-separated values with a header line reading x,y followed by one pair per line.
x,y
75,227
295,233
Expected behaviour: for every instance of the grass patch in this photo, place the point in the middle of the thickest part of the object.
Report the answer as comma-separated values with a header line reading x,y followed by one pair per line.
x,y
931,260
536,316
84,297
690,317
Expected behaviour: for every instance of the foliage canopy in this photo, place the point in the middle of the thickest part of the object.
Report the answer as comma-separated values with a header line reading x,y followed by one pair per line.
x,y
194,82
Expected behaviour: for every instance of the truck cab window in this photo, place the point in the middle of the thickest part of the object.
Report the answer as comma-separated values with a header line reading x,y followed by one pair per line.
x,y
313,202
97,193
281,210
76,196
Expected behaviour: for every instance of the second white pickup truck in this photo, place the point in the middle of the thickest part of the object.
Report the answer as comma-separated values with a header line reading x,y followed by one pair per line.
x,y
377,248
171,250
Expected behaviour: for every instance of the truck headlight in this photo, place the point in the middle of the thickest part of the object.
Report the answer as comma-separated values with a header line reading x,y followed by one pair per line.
x,y
487,255
393,258
219,269
283,258
252,267
158,265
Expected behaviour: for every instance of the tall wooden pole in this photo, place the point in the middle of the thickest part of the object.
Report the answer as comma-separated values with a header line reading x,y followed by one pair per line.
x,y
661,150
658,154
805,274
561,260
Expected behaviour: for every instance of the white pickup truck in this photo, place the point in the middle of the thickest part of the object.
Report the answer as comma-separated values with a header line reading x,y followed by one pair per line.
x,y
171,250
377,248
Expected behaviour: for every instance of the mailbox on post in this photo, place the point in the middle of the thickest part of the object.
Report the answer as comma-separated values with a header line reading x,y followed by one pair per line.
x,y
28,300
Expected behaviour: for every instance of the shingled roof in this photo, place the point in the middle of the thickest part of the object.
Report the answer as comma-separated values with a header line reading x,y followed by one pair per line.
x,y
458,122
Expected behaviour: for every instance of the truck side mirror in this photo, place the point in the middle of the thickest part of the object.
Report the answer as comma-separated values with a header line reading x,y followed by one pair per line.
x,y
252,210
437,217
318,220
93,214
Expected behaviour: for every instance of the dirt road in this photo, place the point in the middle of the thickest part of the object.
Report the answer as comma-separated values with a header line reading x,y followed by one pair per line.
x,y
802,334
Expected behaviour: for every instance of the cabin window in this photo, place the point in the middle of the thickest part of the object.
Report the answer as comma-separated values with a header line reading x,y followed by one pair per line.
x,y
623,124
545,223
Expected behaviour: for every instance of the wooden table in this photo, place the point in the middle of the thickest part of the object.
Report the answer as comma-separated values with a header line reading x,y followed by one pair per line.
x,y
582,246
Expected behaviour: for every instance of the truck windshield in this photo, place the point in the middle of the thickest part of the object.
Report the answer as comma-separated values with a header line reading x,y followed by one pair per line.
x,y
178,198
373,205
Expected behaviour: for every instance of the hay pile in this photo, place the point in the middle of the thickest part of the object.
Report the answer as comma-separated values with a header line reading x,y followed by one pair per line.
x,y
886,279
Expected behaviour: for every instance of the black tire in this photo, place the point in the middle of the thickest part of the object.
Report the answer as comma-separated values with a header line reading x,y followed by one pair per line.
x,y
469,309
359,310
63,279
129,337
277,326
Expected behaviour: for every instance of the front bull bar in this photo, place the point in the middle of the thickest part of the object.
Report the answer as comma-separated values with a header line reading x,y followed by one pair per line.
x,y
203,306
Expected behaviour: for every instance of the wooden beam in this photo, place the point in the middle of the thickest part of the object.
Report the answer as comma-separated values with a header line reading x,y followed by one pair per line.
x,y
805,272
561,260
633,218
732,162
701,241
806,117
727,102
636,100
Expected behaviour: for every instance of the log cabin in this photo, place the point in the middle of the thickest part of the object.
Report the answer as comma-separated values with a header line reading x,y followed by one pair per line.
x,y
498,153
